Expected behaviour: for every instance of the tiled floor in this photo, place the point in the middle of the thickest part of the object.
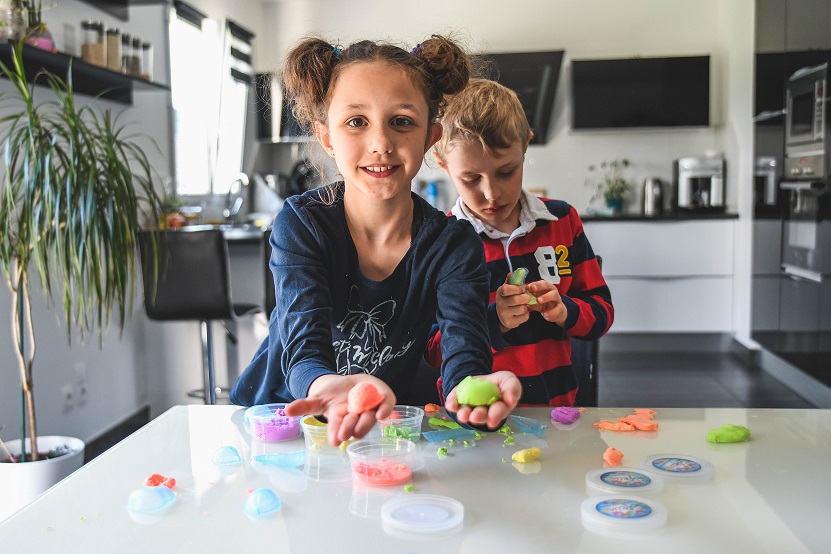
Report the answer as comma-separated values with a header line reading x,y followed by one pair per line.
x,y
688,380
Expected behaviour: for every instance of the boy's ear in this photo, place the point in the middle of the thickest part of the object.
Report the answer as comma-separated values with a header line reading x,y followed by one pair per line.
x,y
322,136
528,141
440,162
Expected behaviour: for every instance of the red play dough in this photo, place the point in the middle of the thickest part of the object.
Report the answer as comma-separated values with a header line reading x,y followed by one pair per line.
x,y
362,398
156,480
384,472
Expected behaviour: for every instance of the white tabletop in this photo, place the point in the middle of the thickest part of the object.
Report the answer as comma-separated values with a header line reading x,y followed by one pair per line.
x,y
772,494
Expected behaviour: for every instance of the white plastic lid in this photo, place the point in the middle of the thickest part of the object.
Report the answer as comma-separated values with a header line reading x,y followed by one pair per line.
x,y
422,515
679,467
622,514
623,480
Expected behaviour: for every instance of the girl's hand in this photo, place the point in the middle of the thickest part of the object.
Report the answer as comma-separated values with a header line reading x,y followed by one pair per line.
x,y
549,303
511,306
492,416
328,396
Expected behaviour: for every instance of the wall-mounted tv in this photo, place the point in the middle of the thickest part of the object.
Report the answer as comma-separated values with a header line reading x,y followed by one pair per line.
x,y
275,122
534,77
641,92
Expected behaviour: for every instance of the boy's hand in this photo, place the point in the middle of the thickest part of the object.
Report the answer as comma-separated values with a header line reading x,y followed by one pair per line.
x,y
328,396
511,306
549,303
493,415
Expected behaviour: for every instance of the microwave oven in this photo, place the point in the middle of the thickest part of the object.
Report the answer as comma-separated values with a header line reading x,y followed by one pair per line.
x,y
805,122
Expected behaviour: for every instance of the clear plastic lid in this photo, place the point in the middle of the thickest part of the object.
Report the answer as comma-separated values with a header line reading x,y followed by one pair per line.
x,y
679,467
622,515
623,480
422,515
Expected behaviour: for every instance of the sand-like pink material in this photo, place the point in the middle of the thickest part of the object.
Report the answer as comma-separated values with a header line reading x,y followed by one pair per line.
x,y
383,472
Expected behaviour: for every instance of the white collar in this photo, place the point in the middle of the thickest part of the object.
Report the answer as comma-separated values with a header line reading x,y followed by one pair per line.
x,y
531,209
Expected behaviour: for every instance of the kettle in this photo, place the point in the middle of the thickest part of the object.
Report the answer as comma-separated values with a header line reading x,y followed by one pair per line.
x,y
653,196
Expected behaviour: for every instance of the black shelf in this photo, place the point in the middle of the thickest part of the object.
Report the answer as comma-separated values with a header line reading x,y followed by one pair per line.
x,y
120,8
87,79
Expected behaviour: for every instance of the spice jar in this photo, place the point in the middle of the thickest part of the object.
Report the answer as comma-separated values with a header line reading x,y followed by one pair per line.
x,y
147,61
114,49
135,58
126,53
94,49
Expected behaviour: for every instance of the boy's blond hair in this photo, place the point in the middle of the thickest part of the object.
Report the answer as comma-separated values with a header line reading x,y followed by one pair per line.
x,y
485,111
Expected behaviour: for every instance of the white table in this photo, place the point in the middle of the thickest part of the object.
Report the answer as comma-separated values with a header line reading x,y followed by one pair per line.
x,y
772,494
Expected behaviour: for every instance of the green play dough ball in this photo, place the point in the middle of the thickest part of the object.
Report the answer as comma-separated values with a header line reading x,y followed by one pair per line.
x,y
729,433
477,392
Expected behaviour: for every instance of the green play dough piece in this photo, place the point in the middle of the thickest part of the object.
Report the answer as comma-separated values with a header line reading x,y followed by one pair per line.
x,y
477,392
518,278
729,433
439,422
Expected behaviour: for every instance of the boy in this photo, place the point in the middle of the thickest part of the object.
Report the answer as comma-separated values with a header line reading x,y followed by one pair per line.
x,y
486,135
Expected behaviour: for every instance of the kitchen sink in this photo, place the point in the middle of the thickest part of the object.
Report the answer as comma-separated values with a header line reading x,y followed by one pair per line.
x,y
241,231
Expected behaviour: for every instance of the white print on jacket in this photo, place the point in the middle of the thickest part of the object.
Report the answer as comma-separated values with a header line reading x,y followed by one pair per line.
x,y
363,350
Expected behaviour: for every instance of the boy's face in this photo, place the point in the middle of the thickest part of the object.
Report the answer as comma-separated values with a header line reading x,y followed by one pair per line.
x,y
489,182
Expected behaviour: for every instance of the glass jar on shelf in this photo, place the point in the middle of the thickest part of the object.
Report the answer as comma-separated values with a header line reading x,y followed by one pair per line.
x,y
135,59
147,61
113,49
126,53
94,48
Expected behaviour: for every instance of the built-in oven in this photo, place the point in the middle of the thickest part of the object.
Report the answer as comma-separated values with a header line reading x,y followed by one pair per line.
x,y
805,118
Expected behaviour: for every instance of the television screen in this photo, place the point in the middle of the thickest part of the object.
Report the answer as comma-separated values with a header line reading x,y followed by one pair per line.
x,y
641,92
275,122
534,77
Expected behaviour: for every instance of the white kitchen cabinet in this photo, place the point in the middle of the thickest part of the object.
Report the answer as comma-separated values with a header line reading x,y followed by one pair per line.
x,y
668,276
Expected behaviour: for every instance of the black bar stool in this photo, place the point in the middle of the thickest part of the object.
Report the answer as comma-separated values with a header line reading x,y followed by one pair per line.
x,y
191,282
585,356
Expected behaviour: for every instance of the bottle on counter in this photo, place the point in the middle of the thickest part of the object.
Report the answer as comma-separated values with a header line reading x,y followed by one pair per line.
x,y
94,47
126,53
135,58
147,61
114,49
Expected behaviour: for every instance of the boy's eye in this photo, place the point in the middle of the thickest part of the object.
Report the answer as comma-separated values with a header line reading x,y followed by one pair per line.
x,y
355,122
505,173
471,180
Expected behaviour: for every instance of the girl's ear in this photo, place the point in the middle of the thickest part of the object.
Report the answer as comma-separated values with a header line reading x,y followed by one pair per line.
x,y
322,136
433,135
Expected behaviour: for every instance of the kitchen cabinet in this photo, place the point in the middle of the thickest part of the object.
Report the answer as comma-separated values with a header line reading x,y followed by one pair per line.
x,y
668,276
88,79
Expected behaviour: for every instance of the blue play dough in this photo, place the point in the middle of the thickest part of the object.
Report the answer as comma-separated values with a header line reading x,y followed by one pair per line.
x,y
528,425
283,459
226,456
261,502
150,500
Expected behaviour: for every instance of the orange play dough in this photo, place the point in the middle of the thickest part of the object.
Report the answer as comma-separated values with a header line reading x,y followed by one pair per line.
x,y
613,425
384,472
430,408
156,480
613,456
362,398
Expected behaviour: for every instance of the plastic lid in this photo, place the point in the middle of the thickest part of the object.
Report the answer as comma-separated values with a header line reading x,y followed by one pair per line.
x,y
621,514
679,467
422,515
623,480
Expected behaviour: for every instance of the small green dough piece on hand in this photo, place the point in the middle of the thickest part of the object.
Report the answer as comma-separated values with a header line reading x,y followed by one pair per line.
x,y
518,278
729,433
475,391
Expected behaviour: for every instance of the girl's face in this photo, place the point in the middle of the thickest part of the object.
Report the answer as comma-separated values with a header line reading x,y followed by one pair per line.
x,y
489,182
377,129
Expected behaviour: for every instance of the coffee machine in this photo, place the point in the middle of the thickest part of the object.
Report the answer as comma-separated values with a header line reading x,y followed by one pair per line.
x,y
698,184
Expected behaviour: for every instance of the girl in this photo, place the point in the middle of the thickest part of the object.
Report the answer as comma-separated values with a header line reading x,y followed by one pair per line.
x,y
363,267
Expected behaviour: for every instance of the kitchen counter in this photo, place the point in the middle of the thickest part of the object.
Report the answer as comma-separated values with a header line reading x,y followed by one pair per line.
x,y
766,495
661,217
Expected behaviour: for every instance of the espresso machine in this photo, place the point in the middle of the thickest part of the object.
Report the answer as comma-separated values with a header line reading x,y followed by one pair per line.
x,y
698,184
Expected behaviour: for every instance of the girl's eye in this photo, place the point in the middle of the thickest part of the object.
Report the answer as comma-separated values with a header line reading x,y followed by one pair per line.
x,y
355,122
401,121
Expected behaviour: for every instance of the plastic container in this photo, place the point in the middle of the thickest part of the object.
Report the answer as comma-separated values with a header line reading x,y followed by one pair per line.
x,y
269,422
315,433
419,516
382,461
679,467
622,515
623,480
403,423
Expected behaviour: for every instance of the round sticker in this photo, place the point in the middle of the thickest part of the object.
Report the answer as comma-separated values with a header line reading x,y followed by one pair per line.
x,y
621,508
676,465
626,479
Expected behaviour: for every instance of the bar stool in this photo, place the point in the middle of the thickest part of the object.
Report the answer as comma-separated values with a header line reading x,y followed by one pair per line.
x,y
270,300
191,282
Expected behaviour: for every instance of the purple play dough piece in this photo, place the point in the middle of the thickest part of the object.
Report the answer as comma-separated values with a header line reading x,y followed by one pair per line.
x,y
565,414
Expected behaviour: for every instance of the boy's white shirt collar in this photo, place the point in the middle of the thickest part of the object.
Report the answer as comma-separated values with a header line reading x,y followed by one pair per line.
x,y
531,209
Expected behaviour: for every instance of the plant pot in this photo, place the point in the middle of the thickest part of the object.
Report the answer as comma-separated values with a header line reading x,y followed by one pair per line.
x,y
22,482
615,204
40,37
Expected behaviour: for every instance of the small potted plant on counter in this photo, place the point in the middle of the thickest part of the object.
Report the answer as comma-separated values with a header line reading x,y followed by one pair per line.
x,y
75,191
609,183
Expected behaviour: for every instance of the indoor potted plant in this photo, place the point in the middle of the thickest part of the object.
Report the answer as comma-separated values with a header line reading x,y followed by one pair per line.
x,y
73,192
609,183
